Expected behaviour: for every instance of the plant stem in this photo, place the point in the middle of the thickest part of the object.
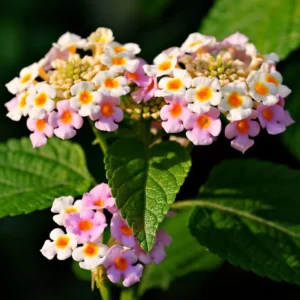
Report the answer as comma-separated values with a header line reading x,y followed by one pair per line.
x,y
128,294
104,291
99,138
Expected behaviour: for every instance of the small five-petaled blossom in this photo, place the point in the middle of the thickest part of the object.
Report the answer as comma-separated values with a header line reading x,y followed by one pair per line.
x,y
90,255
121,263
98,198
88,226
61,245
65,120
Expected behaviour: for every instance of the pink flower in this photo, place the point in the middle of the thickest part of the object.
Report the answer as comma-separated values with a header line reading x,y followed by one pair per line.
x,y
145,93
288,120
53,54
65,120
174,113
120,231
139,77
272,118
203,128
120,263
41,131
241,130
87,226
109,114
99,197
236,39
158,253
10,105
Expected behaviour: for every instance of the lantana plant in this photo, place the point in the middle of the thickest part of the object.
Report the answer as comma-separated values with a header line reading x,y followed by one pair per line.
x,y
155,113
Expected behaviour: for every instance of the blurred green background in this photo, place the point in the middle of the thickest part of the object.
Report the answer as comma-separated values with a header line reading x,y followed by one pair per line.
x,y
27,29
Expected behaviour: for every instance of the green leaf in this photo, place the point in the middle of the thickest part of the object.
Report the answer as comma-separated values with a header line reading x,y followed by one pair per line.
x,y
145,182
250,215
31,178
291,137
184,256
273,26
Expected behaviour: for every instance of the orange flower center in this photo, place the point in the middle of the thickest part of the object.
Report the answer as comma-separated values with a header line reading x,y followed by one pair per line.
x,y
66,117
121,264
272,79
235,100
126,230
133,76
119,61
107,110
243,126
71,209
267,114
85,225
99,202
26,78
174,84
85,97
165,65
261,89
41,99
204,94
203,121
176,110
111,83
40,125
22,102
62,242
90,249
119,49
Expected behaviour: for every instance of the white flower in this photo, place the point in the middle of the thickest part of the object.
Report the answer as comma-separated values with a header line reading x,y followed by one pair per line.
x,y
111,85
174,85
63,206
40,99
61,245
173,52
235,101
69,41
119,62
101,36
262,90
195,41
90,255
205,94
21,109
27,76
131,48
164,65
85,101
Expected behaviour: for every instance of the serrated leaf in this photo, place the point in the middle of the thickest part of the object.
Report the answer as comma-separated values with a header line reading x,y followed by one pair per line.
x,y
274,26
31,178
249,214
145,182
184,256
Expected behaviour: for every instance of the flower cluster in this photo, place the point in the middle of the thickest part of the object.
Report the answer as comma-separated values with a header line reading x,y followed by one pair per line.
x,y
63,87
205,78
188,88
84,223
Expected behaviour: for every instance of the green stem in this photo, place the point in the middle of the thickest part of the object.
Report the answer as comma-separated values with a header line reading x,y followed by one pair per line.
x,y
104,291
99,138
128,294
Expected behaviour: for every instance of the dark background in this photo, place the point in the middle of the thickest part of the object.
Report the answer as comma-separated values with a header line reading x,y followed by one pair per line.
x,y
27,29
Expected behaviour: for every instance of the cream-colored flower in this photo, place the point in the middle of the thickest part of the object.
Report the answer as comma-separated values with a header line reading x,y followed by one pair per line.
x,y
196,41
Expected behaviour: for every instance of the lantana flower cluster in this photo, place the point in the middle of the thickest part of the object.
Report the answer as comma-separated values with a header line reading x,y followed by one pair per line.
x,y
186,89
61,89
81,236
205,78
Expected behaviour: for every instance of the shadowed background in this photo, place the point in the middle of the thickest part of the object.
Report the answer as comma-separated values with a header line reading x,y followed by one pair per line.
x,y
27,29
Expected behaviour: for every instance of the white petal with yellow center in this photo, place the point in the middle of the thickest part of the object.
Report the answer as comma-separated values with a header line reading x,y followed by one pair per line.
x,y
21,109
164,65
69,40
196,41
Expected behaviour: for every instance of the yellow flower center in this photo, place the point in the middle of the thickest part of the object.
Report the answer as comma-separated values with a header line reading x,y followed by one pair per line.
x,y
85,97
203,122
165,65
242,126
66,117
261,89
111,83
174,84
176,110
90,250
235,99
26,78
62,242
40,125
107,110
41,99
204,94
85,225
